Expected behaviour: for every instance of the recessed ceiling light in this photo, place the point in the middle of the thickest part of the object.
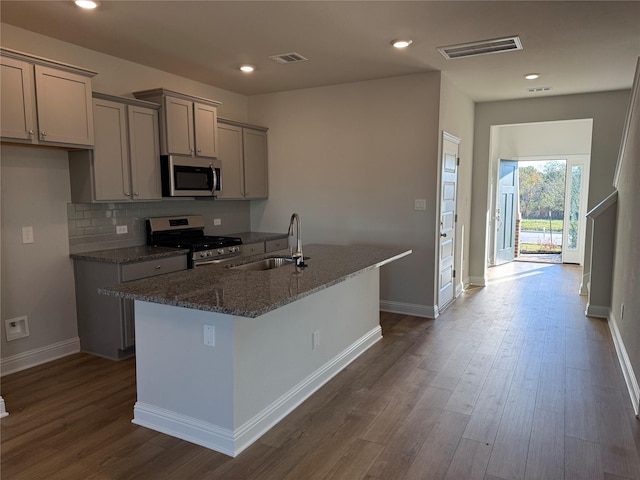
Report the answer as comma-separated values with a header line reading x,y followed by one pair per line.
x,y
401,43
88,4
532,76
247,68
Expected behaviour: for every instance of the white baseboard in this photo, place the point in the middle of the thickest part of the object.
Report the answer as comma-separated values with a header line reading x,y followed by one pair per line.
x,y
3,409
233,442
478,281
426,311
37,356
627,369
584,285
597,311
187,428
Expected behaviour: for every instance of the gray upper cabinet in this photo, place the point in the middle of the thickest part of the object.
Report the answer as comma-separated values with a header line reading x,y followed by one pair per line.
x,y
243,153
125,163
45,102
188,124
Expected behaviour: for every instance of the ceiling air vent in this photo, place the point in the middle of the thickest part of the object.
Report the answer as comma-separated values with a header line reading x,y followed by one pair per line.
x,y
538,89
497,45
292,57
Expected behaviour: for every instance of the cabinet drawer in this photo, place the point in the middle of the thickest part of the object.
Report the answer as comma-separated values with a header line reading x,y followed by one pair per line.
x,y
150,268
279,244
252,249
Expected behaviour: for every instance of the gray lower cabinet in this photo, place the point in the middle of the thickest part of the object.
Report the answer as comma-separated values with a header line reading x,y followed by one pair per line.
x,y
279,245
106,324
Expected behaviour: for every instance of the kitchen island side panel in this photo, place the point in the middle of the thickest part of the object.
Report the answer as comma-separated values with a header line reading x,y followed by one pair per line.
x,y
176,371
226,396
275,355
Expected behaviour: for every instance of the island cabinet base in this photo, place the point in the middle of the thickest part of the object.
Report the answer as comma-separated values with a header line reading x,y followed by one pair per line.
x,y
224,397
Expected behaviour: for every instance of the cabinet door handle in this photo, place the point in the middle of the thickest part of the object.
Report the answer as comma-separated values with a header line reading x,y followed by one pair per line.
x,y
127,194
137,194
158,267
44,134
31,132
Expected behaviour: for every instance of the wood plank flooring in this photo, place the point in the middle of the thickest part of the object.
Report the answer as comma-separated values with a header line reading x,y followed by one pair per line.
x,y
511,382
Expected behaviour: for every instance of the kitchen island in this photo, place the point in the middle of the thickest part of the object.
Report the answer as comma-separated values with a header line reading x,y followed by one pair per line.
x,y
223,354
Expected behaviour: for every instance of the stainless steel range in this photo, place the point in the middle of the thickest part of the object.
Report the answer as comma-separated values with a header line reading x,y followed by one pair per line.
x,y
188,232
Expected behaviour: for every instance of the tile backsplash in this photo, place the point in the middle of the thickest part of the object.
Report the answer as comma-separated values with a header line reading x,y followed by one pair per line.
x,y
92,226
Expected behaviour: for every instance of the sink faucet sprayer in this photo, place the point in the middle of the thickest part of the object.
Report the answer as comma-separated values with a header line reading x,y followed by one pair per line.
x,y
297,255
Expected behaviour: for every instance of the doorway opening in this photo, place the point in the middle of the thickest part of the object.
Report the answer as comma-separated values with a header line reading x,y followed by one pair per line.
x,y
539,185
541,208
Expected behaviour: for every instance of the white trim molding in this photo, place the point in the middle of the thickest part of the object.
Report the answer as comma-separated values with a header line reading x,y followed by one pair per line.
x,y
478,281
425,311
3,409
38,356
233,442
597,311
630,377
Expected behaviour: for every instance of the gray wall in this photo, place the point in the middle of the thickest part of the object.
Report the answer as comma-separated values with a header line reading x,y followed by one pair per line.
x,y
37,278
626,273
607,109
351,159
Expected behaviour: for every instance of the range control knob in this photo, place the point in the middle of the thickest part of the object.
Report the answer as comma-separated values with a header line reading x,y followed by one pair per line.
x,y
203,254
221,251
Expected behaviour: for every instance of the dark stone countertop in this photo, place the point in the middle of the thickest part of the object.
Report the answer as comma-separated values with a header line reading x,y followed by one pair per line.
x,y
129,254
217,288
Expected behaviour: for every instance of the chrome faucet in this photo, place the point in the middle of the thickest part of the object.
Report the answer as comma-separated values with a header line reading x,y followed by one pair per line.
x,y
297,255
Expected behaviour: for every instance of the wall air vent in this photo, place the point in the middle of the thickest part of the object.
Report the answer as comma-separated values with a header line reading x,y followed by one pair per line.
x,y
292,57
497,45
538,89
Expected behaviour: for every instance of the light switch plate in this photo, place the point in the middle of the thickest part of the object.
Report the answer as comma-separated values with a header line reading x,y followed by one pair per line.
x,y
120,229
217,221
209,335
27,234
420,204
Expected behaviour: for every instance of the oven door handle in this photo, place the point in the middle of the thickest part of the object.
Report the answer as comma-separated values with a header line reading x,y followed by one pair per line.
x,y
217,260
215,179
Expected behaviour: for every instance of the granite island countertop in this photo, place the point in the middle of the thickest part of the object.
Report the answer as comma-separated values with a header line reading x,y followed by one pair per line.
x,y
129,254
218,288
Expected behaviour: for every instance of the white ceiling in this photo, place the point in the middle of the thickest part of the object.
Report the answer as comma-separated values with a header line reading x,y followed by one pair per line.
x,y
576,46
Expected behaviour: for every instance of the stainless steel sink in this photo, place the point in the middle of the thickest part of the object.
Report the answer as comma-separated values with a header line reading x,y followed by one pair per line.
x,y
264,264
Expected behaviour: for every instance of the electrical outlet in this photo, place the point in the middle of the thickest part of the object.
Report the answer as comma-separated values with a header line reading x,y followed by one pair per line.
x,y
15,328
420,204
315,340
27,234
217,221
120,229
210,335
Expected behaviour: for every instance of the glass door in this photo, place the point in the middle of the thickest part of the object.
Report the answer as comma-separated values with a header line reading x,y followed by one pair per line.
x,y
575,208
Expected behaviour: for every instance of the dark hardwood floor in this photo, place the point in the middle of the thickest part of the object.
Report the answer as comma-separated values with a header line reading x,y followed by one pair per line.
x,y
510,382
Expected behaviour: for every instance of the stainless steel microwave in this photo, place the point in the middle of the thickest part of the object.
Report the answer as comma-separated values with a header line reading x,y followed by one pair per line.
x,y
184,176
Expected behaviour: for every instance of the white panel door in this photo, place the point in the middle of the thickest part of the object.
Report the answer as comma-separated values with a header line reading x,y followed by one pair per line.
x,y
447,242
506,211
